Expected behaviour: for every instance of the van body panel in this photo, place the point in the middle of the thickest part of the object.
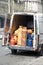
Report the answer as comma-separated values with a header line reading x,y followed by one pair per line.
x,y
40,28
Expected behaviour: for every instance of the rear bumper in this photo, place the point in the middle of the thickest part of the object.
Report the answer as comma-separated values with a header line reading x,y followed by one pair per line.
x,y
21,48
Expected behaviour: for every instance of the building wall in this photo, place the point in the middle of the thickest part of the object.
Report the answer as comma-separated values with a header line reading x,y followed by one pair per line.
x,y
17,6
30,6
10,6
3,6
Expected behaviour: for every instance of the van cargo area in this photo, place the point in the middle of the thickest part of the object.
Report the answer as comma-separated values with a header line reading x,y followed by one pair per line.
x,y
25,21
26,32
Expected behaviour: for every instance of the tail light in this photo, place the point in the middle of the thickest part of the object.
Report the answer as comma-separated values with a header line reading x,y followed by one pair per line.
x,y
9,38
38,38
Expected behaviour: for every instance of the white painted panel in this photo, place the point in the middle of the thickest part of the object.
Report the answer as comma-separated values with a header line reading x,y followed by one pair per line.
x,y
31,0
36,0
40,20
40,7
33,6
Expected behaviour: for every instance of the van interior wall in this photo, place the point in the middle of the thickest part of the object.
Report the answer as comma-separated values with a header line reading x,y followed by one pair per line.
x,y
7,25
24,20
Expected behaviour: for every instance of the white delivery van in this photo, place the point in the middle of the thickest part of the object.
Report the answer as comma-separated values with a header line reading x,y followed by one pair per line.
x,y
30,20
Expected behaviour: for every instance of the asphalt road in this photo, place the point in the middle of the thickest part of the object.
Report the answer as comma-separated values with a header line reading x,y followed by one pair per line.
x,y
21,58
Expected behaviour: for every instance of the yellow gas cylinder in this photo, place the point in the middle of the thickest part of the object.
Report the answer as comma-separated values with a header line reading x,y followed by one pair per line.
x,y
24,36
16,32
20,35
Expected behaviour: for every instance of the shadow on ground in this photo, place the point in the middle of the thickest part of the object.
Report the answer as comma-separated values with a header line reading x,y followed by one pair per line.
x,y
27,53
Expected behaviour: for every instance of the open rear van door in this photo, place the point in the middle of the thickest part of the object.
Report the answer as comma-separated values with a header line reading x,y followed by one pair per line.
x,y
40,27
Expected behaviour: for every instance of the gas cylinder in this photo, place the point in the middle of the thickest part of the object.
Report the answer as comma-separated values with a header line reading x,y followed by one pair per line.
x,y
12,40
24,36
20,35
29,42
